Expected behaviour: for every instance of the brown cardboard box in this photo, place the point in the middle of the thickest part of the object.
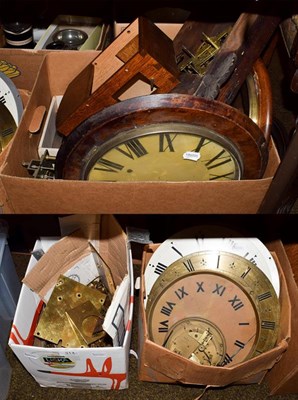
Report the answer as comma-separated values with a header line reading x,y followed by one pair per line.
x,y
27,64
283,378
157,364
19,193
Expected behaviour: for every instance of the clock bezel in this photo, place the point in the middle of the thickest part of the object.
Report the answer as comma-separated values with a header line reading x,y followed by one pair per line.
x,y
76,151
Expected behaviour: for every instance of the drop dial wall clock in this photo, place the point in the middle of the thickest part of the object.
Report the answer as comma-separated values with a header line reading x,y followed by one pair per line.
x,y
164,137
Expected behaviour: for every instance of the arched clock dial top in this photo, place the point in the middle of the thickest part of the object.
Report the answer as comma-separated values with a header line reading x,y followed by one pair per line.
x,y
252,249
220,287
172,249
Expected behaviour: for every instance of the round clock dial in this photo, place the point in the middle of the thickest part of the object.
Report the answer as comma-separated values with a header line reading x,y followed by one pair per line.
x,y
11,97
166,137
226,290
168,152
174,248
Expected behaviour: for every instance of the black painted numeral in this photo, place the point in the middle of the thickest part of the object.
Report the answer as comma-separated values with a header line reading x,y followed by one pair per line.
x,y
133,148
236,303
264,296
268,325
239,344
164,326
200,287
166,142
108,166
181,292
219,289
167,310
160,268
189,265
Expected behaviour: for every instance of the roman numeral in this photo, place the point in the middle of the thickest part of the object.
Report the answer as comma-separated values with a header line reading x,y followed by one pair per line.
x,y
164,326
160,268
251,259
180,293
7,132
133,148
246,272
236,303
166,142
268,325
2,100
210,164
202,142
200,287
177,251
227,359
167,309
189,265
219,289
108,166
264,296
239,344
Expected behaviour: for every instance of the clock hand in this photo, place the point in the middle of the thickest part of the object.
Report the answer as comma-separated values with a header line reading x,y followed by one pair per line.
x,y
240,348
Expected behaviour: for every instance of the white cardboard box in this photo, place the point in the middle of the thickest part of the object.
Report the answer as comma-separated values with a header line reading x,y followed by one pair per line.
x,y
87,368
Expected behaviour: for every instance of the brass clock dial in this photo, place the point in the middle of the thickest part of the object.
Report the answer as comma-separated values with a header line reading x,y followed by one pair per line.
x,y
198,340
164,137
181,245
168,152
223,288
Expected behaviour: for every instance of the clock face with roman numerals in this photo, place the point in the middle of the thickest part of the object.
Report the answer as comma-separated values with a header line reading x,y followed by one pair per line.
x,y
169,152
226,300
170,250
165,137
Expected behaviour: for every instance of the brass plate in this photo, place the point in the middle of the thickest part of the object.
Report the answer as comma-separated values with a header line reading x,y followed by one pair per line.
x,y
55,324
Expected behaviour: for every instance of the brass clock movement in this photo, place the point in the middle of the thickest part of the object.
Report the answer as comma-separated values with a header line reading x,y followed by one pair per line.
x,y
213,307
160,137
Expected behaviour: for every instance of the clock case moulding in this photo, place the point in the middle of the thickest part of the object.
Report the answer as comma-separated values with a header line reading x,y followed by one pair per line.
x,y
157,364
55,71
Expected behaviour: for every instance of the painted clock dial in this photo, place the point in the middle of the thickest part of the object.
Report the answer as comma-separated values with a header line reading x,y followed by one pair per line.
x,y
164,137
223,289
174,248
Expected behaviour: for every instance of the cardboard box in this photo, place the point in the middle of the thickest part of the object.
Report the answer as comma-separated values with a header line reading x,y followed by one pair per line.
x,y
157,364
94,28
19,193
27,63
50,141
283,378
69,367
